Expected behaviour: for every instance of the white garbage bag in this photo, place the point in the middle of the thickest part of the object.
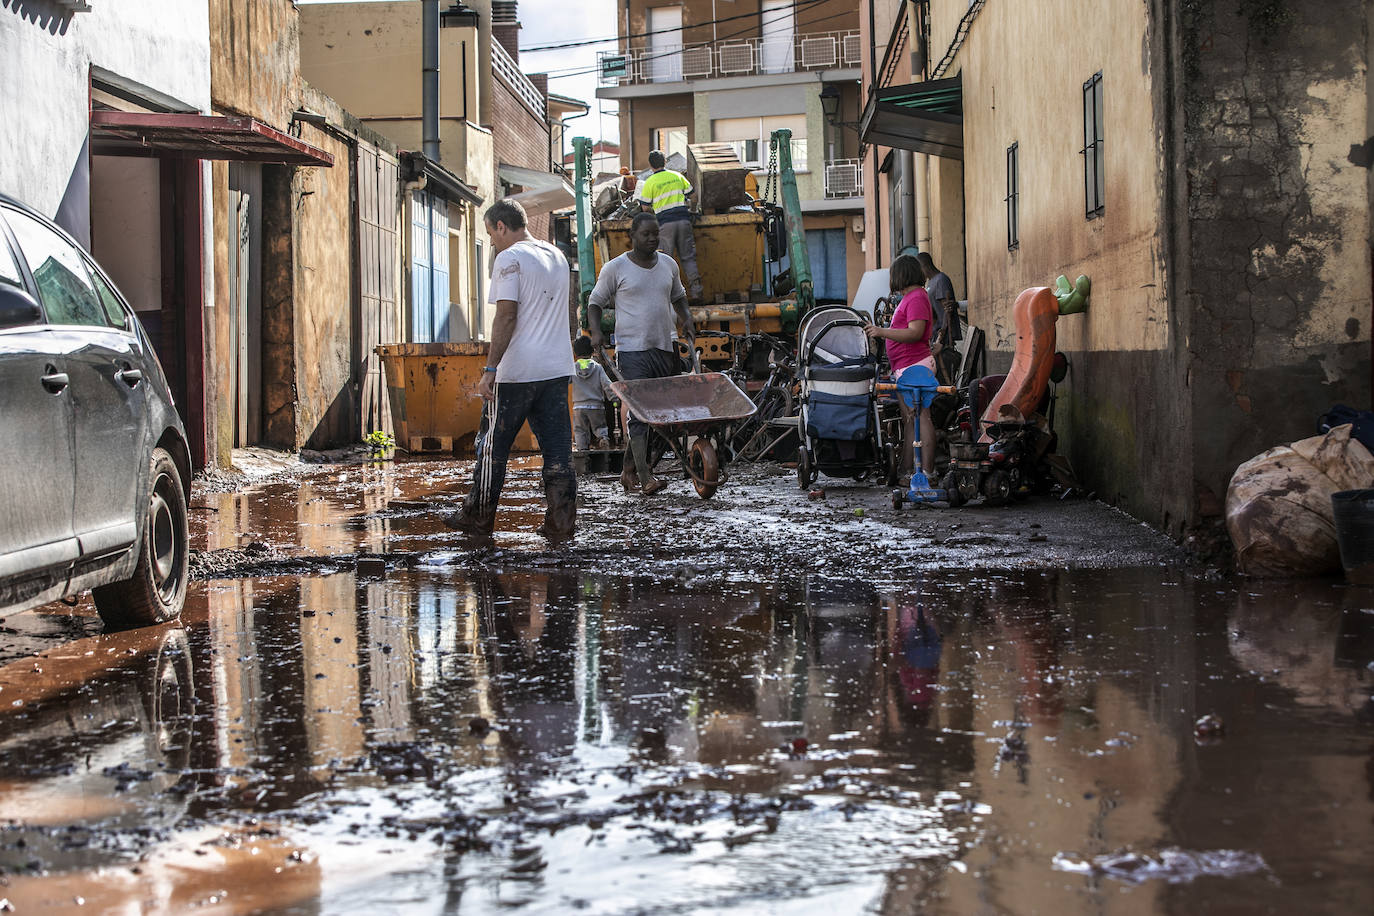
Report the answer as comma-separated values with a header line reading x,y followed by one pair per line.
x,y
1278,505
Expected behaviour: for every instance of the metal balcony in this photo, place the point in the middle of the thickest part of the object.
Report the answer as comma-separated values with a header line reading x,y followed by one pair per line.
x,y
671,63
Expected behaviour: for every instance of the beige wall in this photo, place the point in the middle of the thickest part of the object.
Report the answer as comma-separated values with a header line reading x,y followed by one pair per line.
x,y
1011,92
368,55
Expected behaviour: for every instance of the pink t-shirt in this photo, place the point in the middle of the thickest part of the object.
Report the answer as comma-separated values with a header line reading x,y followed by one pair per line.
x,y
915,306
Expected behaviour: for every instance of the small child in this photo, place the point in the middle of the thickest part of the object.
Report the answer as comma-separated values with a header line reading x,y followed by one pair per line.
x,y
590,390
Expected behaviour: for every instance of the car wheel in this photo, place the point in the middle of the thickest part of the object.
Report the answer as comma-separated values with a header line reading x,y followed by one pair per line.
x,y
157,589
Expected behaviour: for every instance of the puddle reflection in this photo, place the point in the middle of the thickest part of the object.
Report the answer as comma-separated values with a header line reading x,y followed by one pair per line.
x,y
438,742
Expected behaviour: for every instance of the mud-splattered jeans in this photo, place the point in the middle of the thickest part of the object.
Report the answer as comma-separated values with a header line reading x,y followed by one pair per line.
x,y
545,405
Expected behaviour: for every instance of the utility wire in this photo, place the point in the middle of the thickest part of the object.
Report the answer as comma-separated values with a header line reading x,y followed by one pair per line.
x,y
796,5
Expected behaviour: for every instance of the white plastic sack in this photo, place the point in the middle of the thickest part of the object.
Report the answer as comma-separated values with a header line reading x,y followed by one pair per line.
x,y
1278,505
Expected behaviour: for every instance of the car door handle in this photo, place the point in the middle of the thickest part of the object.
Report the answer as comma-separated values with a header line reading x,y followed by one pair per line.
x,y
130,377
55,381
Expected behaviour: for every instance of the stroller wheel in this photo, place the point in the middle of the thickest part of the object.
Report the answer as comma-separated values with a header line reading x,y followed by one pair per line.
x,y
806,474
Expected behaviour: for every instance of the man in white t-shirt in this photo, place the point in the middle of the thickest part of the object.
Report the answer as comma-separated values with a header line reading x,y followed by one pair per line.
x,y
646,292
526,376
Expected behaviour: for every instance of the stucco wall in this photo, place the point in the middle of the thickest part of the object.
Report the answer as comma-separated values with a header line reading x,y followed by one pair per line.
x,y
47,55
324,272
255,59
1278,164
369,57
1121,415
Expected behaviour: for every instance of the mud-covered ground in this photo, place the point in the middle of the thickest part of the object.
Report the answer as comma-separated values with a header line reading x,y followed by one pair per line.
x,y
762,703
759,524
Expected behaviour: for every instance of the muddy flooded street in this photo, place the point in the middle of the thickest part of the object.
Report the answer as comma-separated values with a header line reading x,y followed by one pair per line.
x,y
759,704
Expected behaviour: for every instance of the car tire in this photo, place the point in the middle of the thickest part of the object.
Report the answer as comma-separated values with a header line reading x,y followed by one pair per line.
x,y
156,591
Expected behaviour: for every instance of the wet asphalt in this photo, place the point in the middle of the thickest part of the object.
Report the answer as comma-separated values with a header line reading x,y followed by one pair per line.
x,y
763,702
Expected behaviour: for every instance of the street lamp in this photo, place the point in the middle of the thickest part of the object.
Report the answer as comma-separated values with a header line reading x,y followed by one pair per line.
x,y
830,103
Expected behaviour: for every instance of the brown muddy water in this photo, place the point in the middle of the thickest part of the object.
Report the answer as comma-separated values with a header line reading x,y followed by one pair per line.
x,y
454,739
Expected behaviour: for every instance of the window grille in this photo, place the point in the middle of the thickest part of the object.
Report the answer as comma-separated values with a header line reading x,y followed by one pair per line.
x,y
1094,181
1013,199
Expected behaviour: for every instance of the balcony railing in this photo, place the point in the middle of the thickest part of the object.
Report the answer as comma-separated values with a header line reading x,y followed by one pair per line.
x,y
519,83
844,178
731,57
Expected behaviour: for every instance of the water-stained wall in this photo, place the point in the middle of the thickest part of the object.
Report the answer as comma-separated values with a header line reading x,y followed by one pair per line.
x,y
1276,136
1230,263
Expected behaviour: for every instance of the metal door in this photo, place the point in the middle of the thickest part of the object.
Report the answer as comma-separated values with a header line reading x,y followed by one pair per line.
x,y
378,230
429,303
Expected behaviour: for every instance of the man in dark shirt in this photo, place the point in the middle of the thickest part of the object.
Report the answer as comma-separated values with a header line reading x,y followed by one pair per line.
x,y
941,292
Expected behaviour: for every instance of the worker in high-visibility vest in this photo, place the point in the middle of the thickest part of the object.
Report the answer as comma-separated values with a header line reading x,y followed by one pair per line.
x,y
664,194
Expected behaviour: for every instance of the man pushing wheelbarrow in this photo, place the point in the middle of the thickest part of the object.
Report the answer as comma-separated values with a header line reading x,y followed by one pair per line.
x,y
645,291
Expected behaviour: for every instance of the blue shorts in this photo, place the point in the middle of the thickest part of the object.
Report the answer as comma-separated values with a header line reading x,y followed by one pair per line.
x,y
917,385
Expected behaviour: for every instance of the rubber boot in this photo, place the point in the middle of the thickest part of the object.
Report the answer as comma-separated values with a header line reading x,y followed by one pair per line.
x,y
629,477
649,484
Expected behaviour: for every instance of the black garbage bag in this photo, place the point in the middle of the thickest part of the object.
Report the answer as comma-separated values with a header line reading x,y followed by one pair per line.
x,y
1361,422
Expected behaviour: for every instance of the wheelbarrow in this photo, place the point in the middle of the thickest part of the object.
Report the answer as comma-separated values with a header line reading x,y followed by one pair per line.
x,y
680,407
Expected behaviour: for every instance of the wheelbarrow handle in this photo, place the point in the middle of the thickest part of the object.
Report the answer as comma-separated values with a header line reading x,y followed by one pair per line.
x,y
607,364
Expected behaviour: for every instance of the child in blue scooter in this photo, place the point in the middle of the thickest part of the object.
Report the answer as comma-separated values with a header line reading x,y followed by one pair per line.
x,y
913,366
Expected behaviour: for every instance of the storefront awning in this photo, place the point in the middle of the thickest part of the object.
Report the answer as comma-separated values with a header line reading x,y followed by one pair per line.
x,y
543,191
926,117
197,136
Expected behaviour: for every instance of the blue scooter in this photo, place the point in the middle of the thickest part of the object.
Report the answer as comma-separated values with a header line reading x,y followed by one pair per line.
x,y
919,490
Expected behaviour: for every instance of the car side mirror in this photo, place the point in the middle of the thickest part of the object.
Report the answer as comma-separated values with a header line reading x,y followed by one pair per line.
x,y
17,307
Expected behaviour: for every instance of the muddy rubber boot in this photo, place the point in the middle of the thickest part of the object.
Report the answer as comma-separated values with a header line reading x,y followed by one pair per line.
x,y
629,477
649,484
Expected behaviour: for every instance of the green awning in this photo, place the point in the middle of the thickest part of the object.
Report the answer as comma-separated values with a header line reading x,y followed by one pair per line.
x,y
926,117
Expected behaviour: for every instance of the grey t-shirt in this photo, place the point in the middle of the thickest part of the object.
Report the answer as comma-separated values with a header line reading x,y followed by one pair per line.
x,y
939,289
642,299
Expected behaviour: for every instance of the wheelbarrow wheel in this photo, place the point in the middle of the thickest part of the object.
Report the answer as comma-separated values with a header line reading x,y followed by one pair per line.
x,y
705,468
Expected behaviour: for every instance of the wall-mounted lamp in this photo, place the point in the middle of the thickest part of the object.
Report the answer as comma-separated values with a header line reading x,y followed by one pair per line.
x,y
830,106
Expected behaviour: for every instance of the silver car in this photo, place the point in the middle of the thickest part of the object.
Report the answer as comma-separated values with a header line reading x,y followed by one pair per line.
x,y
95,473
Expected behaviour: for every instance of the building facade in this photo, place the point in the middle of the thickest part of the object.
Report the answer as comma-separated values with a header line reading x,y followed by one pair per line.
x,y
443,251
1204,164
697,71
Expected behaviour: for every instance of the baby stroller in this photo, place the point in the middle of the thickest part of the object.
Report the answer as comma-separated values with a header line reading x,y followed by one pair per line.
x,y
840,429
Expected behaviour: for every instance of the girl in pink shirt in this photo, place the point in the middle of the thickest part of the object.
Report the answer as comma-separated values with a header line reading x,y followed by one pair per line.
x,y
908,350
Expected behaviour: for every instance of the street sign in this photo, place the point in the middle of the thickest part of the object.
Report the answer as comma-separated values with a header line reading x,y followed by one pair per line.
x,y
615,66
